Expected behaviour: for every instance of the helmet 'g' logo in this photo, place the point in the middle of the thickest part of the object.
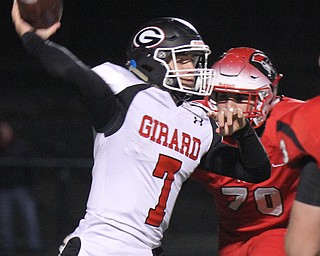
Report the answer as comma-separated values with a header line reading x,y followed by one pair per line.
x,y
148,37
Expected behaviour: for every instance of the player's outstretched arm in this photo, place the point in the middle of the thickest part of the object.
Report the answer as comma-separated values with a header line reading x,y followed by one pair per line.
x,y
303,235
23,27
254,162
60,62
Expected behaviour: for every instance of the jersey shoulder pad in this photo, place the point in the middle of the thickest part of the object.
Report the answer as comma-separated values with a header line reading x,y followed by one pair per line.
x,y
118,78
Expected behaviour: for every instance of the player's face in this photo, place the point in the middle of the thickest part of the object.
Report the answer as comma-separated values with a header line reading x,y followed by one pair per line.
x,y
184,62
233,100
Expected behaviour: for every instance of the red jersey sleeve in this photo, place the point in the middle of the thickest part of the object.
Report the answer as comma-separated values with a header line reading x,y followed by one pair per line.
x,y
299,132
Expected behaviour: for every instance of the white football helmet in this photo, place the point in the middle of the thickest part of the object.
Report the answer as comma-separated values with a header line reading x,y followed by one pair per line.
x,y
248,72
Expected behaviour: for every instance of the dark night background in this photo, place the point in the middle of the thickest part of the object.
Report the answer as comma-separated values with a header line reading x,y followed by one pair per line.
x,y
44,112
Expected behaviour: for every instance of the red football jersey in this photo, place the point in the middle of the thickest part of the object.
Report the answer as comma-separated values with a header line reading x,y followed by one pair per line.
x,y
299,132
245,209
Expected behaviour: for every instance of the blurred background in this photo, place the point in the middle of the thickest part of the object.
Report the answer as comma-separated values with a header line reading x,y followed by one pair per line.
x,y
51,118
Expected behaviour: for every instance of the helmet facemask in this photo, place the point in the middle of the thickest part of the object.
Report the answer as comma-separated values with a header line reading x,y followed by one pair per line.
x,y
258,102
197,80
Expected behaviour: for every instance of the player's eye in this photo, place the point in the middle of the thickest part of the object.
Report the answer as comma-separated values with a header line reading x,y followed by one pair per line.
x,y
186,58
241,98
222,96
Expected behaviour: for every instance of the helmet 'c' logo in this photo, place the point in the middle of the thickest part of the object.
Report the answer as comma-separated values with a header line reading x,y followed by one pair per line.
x,y
265,65
148,37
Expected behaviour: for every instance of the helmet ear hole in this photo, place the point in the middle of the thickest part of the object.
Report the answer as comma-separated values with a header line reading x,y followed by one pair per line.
x,y
147,68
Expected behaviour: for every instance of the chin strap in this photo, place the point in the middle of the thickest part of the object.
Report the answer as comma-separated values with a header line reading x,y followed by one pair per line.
x,y
276,100
180,97
138,73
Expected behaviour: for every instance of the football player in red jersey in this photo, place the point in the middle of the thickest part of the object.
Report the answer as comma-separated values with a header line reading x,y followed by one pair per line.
x,y
299,138
253,217
303,236
149,136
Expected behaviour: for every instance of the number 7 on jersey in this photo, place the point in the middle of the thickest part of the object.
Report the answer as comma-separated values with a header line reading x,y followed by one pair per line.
x,y
165,165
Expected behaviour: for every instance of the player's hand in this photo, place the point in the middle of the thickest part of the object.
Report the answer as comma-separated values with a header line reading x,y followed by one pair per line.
x,y
23,27
229,120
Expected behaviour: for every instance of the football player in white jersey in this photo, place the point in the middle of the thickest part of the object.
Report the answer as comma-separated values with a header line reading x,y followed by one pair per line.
x,y
149,136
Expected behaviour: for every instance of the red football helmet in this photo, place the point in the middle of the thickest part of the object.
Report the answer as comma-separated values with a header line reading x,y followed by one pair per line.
x,y
249,74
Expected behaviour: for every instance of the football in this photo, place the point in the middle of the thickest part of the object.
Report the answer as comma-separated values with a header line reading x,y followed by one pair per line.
x,y
40,13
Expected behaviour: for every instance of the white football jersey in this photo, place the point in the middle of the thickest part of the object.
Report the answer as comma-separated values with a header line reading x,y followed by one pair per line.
x,y
139,168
